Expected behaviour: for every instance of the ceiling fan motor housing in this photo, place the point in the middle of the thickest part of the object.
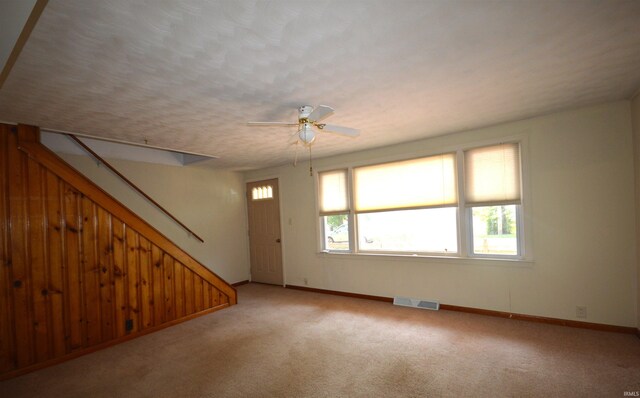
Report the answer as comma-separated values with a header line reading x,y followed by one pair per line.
x,y
304,111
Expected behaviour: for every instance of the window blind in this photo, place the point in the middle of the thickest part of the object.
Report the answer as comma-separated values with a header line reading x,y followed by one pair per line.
x,y
416,183
333,192
492,175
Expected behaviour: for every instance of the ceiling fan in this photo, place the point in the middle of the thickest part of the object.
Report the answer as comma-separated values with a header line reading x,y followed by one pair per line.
x,y
308,119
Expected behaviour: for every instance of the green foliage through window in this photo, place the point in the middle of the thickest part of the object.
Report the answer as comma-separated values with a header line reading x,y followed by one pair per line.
x,y
336,221
499,220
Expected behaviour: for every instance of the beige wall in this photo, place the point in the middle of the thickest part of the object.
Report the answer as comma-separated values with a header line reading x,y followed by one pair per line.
x,y
635,119
581,213
209,202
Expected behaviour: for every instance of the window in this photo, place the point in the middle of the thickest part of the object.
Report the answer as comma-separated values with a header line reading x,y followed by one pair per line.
x,y
493,195
407,206
336,232
334,210
465,203
259,193
494,230
413,231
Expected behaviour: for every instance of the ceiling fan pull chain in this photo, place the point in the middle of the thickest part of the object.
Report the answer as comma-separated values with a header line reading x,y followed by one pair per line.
x,y
295,159
310,165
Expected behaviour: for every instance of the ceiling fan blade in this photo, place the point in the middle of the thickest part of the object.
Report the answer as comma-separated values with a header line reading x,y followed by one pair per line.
x,y
341,130
271,124
320,112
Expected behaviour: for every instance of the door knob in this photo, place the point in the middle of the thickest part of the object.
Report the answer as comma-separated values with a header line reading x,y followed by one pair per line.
x,y
278,240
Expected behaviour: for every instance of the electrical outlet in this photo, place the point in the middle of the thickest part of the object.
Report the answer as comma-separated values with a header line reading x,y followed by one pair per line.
x,y
581,311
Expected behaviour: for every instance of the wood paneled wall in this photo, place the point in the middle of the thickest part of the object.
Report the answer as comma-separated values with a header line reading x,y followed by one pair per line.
x,y
79,271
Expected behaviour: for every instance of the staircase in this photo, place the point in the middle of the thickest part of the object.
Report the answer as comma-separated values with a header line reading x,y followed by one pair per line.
x,y
78,270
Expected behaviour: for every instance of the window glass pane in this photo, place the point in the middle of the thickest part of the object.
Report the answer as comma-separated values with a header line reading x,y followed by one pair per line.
x,y
492,175
495,230
336,232
264,192
333,191
415,231
412,183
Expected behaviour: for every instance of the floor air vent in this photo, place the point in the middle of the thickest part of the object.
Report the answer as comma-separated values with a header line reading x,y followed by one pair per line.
x,y
416,303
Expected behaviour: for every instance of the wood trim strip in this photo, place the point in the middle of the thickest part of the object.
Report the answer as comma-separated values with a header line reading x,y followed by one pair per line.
x,y
107,344
240,283
18,252
479,311
7,338
22,39
338,293
132,185
74,178
541,319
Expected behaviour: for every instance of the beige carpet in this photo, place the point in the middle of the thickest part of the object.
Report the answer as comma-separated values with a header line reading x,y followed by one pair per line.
x,y
286,343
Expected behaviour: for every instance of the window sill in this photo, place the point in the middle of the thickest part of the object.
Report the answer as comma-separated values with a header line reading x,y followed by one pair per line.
x,y
425,258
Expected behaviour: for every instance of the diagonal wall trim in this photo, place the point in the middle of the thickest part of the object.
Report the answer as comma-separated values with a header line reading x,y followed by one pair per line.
x,y
22,39
134,186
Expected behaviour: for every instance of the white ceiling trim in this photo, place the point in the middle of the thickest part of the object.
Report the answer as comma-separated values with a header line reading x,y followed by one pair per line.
x,y
60,143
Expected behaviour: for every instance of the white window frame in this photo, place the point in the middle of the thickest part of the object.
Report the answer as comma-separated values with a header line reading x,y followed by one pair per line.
x,y
463,213
524,243
350,217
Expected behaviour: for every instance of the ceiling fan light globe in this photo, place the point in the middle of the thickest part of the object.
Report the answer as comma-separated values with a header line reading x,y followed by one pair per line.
x,y
306,134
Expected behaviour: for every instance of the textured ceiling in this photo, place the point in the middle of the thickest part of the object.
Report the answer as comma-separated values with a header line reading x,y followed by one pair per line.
x,y
188,75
